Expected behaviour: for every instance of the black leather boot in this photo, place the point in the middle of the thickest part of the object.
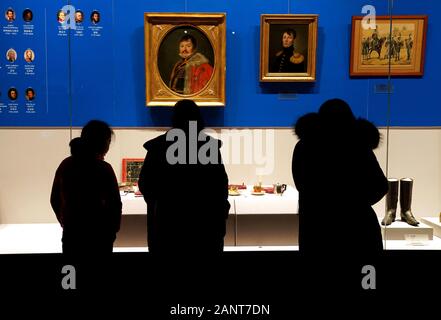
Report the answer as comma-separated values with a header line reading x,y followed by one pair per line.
x,y
406,201
391,202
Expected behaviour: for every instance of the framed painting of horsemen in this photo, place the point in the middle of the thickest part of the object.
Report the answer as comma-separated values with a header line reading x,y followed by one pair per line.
x,y
377,46
185,58
288,45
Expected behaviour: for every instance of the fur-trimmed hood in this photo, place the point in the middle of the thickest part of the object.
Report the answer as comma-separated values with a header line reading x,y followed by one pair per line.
x,y
310,126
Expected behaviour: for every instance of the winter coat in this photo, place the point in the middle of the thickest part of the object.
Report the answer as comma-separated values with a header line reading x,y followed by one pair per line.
x,y
86,201
187,203
338,178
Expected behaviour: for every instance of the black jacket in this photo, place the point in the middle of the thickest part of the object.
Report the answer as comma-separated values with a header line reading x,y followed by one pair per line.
x,y
338,178
282,62
85,198
187,204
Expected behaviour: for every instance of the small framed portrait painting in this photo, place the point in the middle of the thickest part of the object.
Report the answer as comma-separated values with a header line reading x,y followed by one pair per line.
x,y
288,45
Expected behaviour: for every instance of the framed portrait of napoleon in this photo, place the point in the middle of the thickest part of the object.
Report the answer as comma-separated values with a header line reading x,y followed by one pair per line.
x,y
288,46
185,58
402,45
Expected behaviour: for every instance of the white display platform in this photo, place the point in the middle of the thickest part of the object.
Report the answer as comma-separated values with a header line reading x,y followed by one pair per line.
x,y
266,222
246,203
400,230
135,205
30,238
39,238
226,248
434,223
46,238
434,244
132,204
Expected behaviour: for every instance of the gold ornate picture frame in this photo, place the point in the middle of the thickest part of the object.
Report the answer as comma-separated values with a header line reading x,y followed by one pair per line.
x,y
185,58
288,47
371,51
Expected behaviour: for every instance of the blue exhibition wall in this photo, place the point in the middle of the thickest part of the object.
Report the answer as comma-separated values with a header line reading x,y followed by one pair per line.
x,y
97,71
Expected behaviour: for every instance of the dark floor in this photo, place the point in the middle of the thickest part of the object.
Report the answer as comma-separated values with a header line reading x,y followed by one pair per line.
x,y
286,281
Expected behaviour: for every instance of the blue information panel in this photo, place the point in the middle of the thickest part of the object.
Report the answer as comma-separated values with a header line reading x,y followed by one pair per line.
x,y
29,53
54,57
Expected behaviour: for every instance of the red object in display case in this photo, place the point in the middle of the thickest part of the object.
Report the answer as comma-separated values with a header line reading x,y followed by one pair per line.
x,y
131,167
237,186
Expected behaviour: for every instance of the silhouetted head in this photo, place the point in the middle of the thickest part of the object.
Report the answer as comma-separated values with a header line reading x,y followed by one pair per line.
x,y
307,126
95,139
337,114
184,112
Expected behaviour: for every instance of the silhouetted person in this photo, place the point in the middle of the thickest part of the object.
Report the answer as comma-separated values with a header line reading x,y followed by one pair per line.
x,y
85,195
338,178
187,201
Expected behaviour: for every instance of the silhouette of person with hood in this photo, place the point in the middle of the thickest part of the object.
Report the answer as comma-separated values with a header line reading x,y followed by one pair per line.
x,y
187,195
90,217
339,179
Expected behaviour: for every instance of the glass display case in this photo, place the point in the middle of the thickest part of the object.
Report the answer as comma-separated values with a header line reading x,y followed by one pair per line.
x,y
70,63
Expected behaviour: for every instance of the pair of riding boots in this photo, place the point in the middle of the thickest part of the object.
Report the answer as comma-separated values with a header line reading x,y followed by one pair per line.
x,y
405,202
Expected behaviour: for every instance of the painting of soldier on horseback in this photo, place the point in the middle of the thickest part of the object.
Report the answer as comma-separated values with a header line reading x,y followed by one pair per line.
x,y
401,45
378,47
